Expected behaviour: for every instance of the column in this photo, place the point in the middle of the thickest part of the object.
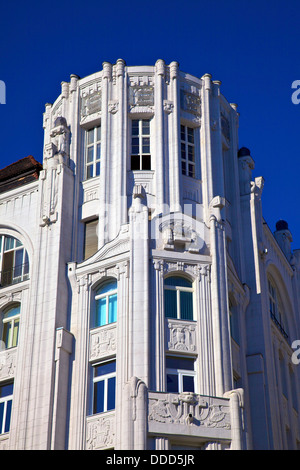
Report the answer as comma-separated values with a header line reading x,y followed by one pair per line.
x,y
159,135
219,298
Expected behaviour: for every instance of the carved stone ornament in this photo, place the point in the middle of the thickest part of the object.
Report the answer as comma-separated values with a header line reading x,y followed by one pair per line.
x,y
168,106
188,409
190,102
7,363
181,336
141,96
91,103
178,232
100,432
102,342
113,106
225,126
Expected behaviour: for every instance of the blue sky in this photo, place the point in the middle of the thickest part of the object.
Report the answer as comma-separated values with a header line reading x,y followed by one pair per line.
x,y
251,46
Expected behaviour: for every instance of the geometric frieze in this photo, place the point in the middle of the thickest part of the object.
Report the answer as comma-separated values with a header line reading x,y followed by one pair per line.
x,y
100,431
181,336
103,342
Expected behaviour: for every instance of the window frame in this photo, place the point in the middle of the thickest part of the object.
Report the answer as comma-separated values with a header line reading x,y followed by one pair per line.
x,y
93,145
141,154
5,321
178,290
6,399
181,373
17,272
185,144
104,378
105,295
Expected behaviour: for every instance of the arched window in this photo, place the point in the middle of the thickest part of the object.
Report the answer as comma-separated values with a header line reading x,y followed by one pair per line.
x,y
10,326
178,293
14,264
106,304
276,308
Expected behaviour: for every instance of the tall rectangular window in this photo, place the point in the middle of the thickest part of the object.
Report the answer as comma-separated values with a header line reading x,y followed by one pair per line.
x,y
6,396
104,380
140,144
92,152
91,238
187,151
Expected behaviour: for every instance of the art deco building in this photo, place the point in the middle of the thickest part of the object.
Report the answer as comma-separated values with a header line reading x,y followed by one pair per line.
x,y
144,301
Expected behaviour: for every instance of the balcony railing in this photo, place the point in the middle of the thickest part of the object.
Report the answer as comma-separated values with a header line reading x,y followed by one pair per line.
x,y
279,326
14,275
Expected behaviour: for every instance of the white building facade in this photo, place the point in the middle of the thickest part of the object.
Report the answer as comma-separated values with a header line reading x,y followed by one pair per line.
x,y
145,303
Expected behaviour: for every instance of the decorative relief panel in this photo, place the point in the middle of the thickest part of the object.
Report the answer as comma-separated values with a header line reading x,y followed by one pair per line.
x,y
190,102
181,336
188,409
103,342
100,431
7,363
225,126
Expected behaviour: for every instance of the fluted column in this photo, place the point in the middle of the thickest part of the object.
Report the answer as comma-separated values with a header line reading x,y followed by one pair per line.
x,y
174,165
204,326
159,130
104,189
219,298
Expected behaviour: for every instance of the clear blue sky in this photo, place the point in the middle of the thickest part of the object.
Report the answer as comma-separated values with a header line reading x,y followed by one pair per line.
x,y
251,46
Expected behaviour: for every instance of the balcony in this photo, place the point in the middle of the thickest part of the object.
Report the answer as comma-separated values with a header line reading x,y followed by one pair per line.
x,y
189,414
14,275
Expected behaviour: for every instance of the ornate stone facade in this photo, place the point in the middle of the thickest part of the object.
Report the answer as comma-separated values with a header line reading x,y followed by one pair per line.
x,y
162,337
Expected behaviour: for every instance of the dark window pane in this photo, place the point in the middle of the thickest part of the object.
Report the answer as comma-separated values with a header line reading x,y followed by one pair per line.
x,y
183,168
170,303
146,162
135,162
135,127
191,171
190,133
146,127
188,383
182,132
99,397
1,416
172,383
191,153
106,368
89,171
183,154
6,390
111,393
186,305
8,414
146,145
177,281
179,363
90,135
